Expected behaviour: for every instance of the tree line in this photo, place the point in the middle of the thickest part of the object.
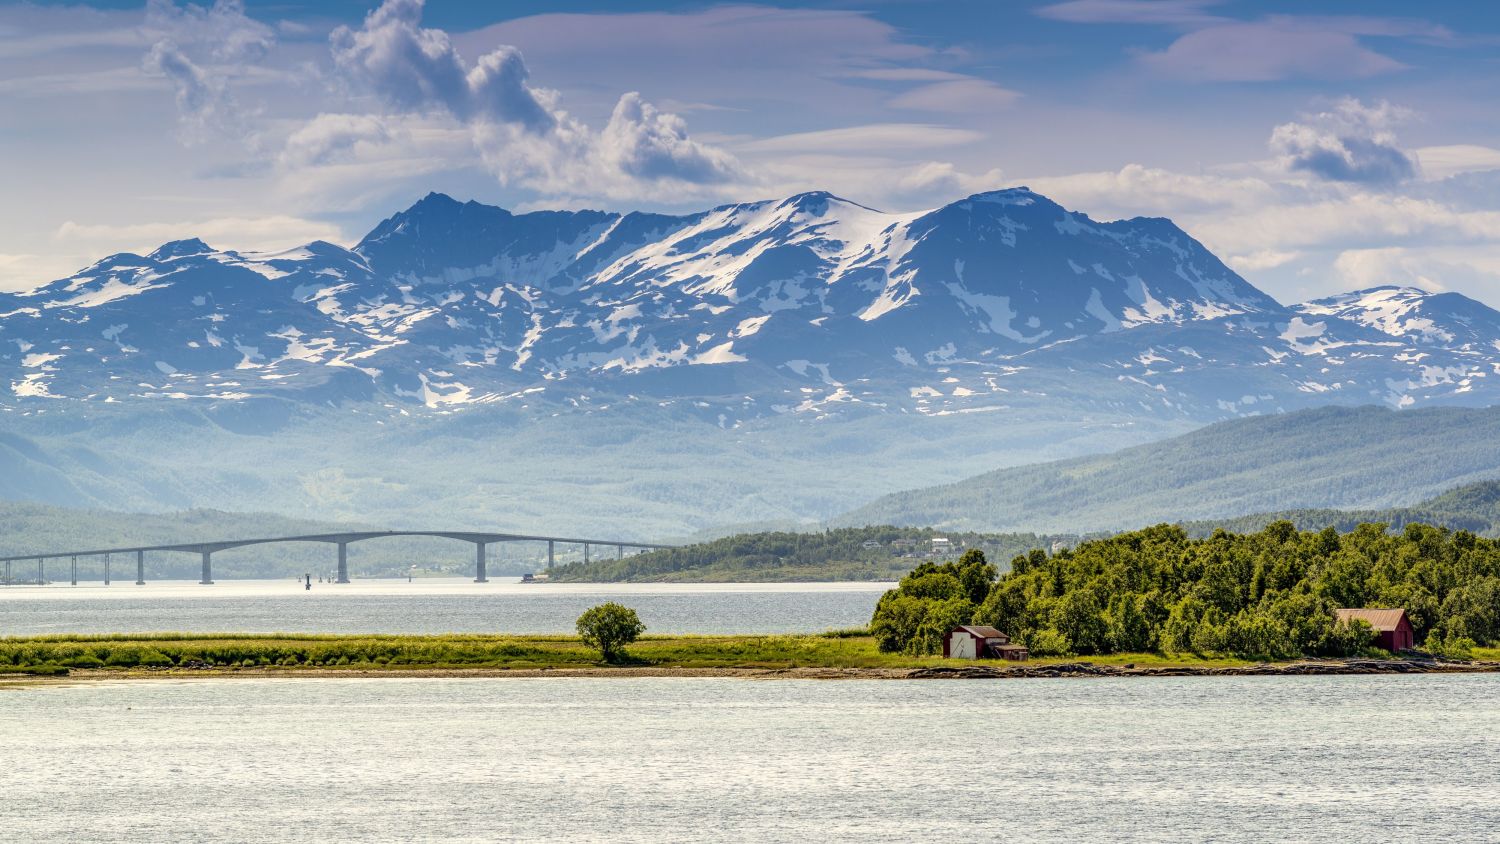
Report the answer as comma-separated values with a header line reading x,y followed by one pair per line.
x,y
1264,595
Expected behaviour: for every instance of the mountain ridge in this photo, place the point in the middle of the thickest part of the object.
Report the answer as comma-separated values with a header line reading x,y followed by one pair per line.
x,y
784,359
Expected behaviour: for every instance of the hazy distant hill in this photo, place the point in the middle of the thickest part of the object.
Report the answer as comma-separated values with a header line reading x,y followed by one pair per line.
x,y
869,553
1345,458
1474,508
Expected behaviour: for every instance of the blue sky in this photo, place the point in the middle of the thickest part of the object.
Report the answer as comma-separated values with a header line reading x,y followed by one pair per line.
x,y
1314,148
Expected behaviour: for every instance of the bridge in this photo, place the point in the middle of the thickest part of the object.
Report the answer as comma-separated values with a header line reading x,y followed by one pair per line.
x,y
481,542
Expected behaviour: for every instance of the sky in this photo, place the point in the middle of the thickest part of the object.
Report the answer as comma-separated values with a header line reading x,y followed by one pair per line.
x,y
1316,146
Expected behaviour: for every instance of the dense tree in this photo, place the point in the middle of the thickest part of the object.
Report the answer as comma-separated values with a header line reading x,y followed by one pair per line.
x,y
1270,594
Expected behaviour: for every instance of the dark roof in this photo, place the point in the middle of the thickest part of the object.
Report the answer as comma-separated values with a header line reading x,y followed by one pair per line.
x,y
982,632
1383,620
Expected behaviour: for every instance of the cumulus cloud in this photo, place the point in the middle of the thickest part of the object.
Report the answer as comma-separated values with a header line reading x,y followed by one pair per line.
x,y
645,143
1350,142
521,131
413,68
198,49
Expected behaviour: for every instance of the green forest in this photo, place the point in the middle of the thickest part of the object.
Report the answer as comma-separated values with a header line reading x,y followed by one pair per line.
x,y
1264,595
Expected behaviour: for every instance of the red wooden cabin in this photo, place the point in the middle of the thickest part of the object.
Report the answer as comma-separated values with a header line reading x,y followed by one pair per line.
x,y
1391,626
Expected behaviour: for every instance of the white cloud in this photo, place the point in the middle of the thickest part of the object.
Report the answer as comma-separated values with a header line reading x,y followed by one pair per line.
x,y
1440,162
520,130
198,49
1264,259
944,181
886,137
1264,51
330,138
647,144
1349,142
412,68
1168,12
1365,268
958,95
1136,189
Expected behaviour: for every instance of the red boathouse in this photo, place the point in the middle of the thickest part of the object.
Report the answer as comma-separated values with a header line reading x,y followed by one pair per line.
x,y
968,641
1391,626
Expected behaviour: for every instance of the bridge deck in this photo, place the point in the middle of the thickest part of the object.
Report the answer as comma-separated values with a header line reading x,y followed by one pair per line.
x,y
476,537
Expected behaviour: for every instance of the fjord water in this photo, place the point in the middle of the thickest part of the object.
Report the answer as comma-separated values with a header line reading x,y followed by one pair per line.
x,y
446,605
1224,759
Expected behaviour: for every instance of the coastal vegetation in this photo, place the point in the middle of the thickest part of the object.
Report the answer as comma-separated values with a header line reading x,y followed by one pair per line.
x,y
1264,595
837,653
188,651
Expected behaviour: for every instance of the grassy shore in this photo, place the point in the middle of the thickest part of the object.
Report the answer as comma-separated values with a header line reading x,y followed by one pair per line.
x,y
185,652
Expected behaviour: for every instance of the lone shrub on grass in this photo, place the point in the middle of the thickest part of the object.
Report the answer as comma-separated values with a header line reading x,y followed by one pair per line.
x,y
608,628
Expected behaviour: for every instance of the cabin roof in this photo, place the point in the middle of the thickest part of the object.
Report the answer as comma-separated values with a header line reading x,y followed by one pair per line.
x,y
982,632
1383,620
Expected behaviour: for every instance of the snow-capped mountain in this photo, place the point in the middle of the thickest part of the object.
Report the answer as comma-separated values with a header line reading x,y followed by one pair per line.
x,y
811,304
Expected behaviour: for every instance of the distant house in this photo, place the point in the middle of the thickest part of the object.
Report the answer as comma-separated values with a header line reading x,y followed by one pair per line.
x,y
871,543
1391,626
968,641
941,545
903,543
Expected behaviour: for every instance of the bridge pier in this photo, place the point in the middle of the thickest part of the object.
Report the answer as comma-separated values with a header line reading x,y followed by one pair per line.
x,y
619,552
343,562
140,568
106,569
480,575
41,574
73,571
551,552
7,572
208,569
585,553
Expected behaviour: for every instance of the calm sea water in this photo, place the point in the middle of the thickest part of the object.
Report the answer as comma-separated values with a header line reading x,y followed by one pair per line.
x,y
1334,759
429,606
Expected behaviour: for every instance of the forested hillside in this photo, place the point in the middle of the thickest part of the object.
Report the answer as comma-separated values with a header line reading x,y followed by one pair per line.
x,y
1346,458
1474,508
872,553
1264,595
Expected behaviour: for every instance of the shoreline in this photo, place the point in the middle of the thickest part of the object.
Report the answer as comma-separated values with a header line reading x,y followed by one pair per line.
x,y
1059,670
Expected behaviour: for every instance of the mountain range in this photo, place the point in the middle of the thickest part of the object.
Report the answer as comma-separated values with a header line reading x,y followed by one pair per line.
x,y
767,360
